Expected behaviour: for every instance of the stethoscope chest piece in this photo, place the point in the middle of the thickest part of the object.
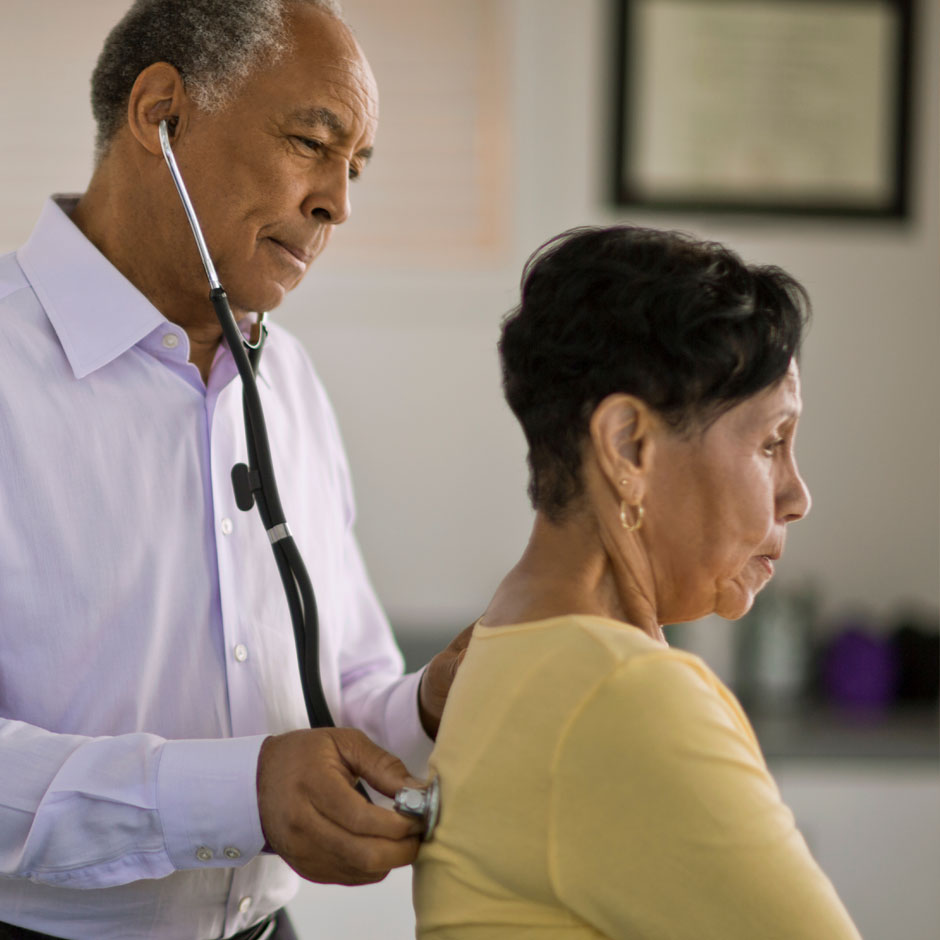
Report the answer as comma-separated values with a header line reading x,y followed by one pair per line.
x,y
421,803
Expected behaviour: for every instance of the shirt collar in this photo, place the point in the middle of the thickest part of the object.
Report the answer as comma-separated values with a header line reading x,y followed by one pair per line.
x,y
95,311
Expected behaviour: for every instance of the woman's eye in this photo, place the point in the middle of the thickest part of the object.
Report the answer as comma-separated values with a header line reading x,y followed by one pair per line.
x,y
772,446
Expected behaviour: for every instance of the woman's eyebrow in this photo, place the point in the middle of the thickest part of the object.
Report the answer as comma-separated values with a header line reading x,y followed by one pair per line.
x,y
785,415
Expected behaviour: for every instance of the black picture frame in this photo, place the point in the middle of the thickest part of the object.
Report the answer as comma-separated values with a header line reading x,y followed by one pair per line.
x,y
650,92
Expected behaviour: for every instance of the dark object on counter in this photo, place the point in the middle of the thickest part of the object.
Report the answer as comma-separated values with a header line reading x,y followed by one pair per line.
x,y
918,654
860,670
774,655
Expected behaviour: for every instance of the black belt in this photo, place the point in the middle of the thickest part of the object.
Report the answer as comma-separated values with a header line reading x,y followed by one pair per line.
x,y
256,932
11,932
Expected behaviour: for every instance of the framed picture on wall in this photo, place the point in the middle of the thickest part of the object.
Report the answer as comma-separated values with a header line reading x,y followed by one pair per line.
x,y
781,106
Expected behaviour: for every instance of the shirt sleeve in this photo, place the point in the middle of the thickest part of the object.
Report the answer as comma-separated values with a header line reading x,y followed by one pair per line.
x,y
84,812
377,698
665,822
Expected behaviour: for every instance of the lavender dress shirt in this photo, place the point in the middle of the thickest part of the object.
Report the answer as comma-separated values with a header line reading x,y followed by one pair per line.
x,y
145,643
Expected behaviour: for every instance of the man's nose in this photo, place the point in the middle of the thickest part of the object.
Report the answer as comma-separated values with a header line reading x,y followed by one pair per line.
x,y
328,201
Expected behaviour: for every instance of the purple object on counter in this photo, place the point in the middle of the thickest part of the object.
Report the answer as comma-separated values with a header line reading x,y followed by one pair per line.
x,y
860,670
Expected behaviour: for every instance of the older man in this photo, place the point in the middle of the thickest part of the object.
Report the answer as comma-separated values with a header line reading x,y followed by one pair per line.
x,y
149,695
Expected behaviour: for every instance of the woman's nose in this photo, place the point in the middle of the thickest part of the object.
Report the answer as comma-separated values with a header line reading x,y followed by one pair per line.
x,y
795,500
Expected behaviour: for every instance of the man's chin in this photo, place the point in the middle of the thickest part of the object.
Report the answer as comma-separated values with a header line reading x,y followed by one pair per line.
x,y
244,302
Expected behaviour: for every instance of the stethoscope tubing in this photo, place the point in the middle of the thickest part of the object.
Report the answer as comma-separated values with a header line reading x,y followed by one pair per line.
x,y
298,589
263,491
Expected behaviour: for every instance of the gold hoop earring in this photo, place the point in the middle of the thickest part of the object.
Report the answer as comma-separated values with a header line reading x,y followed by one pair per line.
x,y
623,517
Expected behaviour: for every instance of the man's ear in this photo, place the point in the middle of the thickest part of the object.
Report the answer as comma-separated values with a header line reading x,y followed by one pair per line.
x,y
621,436
158,94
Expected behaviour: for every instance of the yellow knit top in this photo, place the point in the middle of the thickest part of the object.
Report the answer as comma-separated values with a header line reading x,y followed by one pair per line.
x,y
595,783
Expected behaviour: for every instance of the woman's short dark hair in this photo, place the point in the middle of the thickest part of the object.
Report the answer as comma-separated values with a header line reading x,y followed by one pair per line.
x,y
214,44
684,325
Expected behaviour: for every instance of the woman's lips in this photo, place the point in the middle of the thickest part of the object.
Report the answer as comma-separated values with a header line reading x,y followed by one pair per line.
x,y
767,563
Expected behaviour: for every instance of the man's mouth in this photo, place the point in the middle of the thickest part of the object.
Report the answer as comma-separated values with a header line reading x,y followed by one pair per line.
x,y
300,256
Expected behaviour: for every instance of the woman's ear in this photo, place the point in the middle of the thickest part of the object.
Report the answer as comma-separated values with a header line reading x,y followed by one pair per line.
x,y
621,436
158,94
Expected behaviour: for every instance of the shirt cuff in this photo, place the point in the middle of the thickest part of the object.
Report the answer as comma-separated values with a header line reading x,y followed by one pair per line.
x,y
207,798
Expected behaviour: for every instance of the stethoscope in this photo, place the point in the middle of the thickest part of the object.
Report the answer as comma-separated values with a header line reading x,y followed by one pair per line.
x,y
255,485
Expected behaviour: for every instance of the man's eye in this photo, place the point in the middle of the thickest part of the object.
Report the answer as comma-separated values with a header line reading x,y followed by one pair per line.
x,y
354,172
309,144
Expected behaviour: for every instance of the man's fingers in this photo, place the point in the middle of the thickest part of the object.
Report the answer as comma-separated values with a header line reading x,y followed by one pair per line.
x,y
382,771
462,640
458,659
327,852
343,806
314,818
320,768
438,678
334,855
320,850
458,645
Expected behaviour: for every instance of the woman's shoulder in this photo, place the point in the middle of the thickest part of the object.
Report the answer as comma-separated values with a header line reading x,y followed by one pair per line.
x,y
617,642
602,656
655,694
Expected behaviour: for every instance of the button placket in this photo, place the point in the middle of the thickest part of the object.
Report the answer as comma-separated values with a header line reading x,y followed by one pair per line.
x,y
234,551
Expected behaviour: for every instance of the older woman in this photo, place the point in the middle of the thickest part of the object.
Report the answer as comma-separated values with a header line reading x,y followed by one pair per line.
x,y
595,782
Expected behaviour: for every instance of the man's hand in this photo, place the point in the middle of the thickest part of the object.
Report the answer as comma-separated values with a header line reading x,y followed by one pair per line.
x,y
312,816
437,679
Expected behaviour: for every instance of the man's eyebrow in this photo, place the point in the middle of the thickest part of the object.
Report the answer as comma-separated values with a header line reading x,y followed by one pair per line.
x,y
320,117
324,117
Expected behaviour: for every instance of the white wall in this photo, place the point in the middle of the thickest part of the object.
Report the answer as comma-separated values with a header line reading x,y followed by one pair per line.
x,y
409,353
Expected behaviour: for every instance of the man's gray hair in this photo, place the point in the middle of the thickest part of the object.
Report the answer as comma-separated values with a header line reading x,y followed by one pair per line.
x,y
214,44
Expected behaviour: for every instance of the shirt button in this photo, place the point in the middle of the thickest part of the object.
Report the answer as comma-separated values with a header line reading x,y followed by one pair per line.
x,y
244,905
231,852
204,853
241,652
226,526
171,340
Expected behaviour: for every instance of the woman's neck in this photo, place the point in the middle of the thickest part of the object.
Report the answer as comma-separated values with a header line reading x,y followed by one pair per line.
x,y
565,569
